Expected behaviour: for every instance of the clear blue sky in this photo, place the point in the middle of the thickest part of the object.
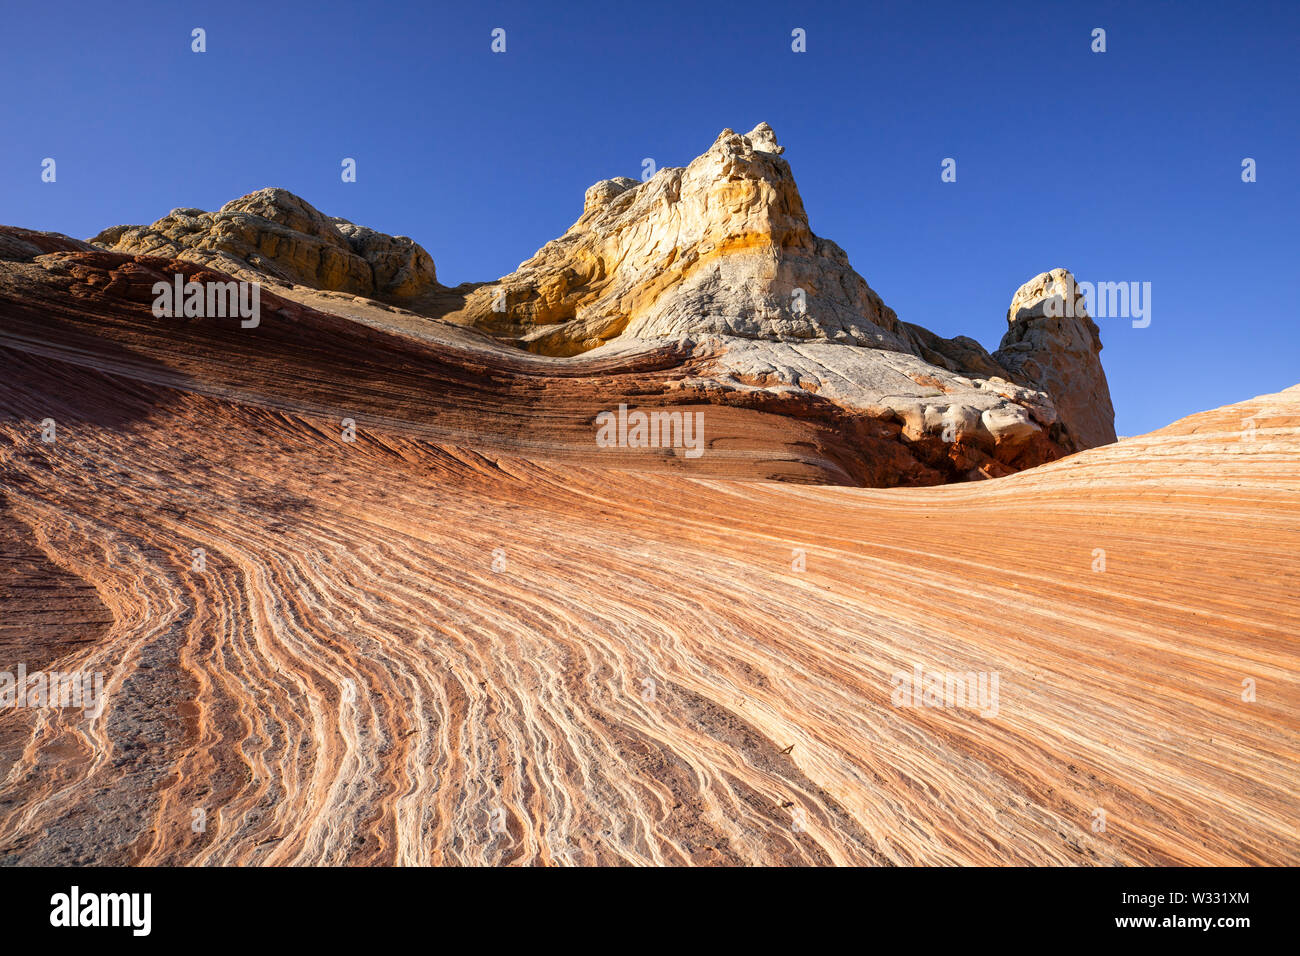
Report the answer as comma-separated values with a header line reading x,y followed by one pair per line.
x,y
1122,166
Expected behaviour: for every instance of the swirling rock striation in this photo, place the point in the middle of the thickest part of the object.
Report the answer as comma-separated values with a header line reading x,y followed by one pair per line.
x,y
471,636
363,588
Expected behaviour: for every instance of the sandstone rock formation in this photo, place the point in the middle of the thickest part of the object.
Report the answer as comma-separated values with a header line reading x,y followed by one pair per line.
x,y
717,247
272,232
715,260
720,253
417,648
467,633
816,412
712,268
24,245
1052,343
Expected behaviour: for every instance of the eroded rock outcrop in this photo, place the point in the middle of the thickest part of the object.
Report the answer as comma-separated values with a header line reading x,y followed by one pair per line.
x,y
275,233
721,246
720,253
711,268
24,245
1052,343
354,679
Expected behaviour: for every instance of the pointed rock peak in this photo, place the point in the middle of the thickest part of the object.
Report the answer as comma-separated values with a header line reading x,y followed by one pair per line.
x,y
600,195
1048,294
721,246
763,139
726,136
760,139
1052,343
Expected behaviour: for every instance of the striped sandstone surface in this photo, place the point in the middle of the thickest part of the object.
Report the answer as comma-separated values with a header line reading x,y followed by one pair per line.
x,y
412,650
473,635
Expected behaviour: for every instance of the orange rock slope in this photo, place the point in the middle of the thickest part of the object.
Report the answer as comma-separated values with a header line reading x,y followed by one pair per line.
x,y
470,636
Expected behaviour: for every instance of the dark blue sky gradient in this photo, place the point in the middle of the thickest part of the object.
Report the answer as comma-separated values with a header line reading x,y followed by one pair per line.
x,y
1123,166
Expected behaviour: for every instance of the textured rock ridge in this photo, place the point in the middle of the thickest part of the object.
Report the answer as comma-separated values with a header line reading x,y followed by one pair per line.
x,y
719,246
819,413
720,253
275,233
24,245
353,679
1052,343
715,262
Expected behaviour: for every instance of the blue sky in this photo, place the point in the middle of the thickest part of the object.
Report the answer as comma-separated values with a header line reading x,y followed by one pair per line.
x,y
1122,166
